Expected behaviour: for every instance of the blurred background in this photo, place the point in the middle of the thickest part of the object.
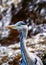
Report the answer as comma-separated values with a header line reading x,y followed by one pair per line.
x,y
33,13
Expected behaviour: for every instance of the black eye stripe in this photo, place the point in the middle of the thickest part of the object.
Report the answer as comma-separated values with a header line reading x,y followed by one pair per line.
x,y
21,23
18,25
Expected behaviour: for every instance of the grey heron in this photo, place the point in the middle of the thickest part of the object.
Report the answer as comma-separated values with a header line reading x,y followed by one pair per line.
x,y
27,57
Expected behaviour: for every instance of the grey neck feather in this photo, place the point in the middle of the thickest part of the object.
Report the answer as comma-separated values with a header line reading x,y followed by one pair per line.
x,y
28,60
23,36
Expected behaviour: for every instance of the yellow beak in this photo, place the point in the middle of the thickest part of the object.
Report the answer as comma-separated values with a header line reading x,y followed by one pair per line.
x,y
10,27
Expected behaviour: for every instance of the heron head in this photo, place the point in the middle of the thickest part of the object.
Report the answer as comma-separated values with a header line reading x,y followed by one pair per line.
x,y
19,26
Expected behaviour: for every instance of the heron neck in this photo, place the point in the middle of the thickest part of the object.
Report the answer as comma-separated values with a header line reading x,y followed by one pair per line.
x,y
23,53
29,59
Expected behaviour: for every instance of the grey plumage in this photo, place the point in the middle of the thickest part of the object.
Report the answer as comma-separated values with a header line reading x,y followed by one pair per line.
x,y
27,58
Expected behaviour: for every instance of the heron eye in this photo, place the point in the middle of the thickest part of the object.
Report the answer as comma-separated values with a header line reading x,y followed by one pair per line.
x,y
18,25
